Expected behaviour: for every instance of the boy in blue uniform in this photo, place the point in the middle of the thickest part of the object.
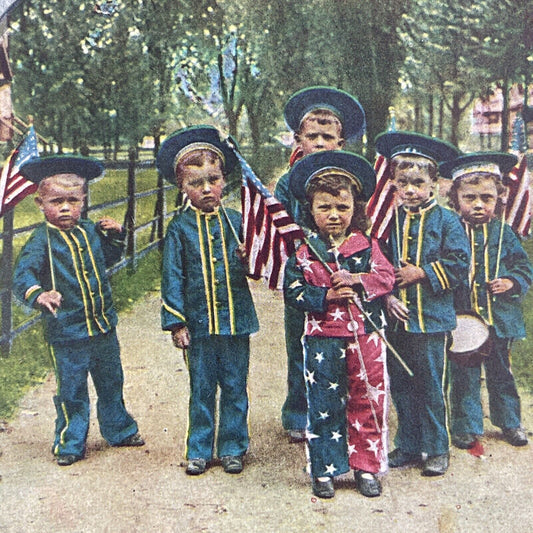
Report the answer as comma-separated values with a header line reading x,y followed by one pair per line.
x,y
500,275
335,274
431,256
207,305
62,270
322,118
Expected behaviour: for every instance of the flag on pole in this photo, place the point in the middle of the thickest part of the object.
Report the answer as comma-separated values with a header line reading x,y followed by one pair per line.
x,y
380,207
518,208
13,187
270,234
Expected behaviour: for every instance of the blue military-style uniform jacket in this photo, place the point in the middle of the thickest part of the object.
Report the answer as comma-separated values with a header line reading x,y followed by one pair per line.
x,y
204,284
79,258
503,311
432,238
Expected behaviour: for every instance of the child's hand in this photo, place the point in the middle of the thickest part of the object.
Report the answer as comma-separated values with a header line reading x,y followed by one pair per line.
x,y
343,278
241,252
408,274
109,224
342,294
181,337
396,308
50,300
500,285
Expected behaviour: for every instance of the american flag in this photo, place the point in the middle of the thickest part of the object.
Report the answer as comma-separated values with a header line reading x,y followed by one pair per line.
x,y
13,187
270,234
380,207
518,208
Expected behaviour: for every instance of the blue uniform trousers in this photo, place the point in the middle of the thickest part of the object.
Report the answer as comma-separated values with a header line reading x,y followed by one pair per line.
x,y
465,392
419,400
99,355
294,410
221,360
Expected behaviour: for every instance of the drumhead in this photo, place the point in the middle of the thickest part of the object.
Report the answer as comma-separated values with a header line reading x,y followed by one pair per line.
x,y
470,334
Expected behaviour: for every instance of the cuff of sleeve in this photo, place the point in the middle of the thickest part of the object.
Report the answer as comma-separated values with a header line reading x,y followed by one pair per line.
x,y
32,294
436,276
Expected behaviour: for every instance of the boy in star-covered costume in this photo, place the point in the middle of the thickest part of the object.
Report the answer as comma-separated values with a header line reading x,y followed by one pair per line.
x,y
344,357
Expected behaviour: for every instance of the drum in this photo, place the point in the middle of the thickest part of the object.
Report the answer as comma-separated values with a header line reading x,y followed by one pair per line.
x,y
471,341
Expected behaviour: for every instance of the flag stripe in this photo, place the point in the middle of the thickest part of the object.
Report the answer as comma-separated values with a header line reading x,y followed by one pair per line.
x,y
518,208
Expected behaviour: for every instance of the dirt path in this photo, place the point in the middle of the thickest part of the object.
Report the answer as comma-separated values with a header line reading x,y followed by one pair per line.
x,y
146,489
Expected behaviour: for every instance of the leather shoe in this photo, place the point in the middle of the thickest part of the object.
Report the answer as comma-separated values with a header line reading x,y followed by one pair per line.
x,y
367,484
132,440
68,459
296,435
232,464
399,458
464,441
436,465
195,467
515,436
323,489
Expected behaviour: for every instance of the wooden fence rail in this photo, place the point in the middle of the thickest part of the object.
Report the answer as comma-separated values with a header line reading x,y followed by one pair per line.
x,y
132,255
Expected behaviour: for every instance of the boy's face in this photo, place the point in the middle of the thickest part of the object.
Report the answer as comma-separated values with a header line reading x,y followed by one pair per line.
x,y
333,214
413,183
61,200
477,202
314,137
203,183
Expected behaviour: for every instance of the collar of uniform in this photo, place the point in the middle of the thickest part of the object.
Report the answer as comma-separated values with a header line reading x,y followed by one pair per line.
x,y
50,225
203,213
425,207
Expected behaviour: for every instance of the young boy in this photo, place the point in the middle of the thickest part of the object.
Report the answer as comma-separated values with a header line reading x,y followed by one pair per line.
x,y
337,278
62,271
207,305
500,275
430,253
321,119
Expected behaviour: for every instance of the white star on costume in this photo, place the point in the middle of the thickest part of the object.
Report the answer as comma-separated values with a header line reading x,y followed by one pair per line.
x,y
351,449
310,377
310,436
352,346
357,260
337,314
336,436
373,266
296,283
373,446
330,469
305,263
356,425
300,297
333,386
319,356
323,415
343,354
315,325
383,319
373,393
374,337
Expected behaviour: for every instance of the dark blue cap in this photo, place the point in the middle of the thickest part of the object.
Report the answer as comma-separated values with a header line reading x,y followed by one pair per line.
x,y
497,163
343,105
354,166
39,168
393,143
194,138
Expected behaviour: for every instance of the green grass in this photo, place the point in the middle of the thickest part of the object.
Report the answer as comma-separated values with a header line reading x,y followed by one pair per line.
x,y
28,363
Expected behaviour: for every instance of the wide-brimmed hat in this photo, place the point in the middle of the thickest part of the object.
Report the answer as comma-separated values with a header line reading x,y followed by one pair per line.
x,y
348,164
496,163
39,168
192,138
343,105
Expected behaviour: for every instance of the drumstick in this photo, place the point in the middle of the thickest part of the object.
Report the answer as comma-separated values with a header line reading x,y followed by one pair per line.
x,y
367,316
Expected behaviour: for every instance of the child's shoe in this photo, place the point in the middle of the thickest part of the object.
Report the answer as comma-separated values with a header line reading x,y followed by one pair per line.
x,y
436,465
399,458
367,483
464,441
132,440
232,464
68,459
323,489
195,467
515,436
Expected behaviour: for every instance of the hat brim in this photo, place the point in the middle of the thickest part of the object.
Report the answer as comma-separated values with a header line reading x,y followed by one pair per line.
x,y
504,160
38,169
207,135
342,104
393,143
303,171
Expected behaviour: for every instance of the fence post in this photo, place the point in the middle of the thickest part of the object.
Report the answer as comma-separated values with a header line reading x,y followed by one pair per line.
x,y
130,213
6,284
